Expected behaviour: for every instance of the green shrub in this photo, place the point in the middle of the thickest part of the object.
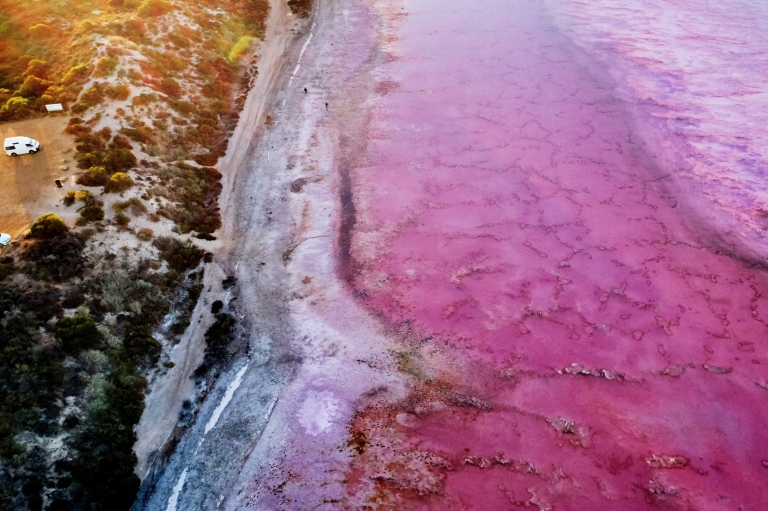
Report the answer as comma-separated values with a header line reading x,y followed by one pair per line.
x,y
122,219
85,196
91,214
94,176
145,234
118,183
15,108
69,198
58,258
217,341
76,74
179,255
6,269
134,204
119,159
149,8
104,460
239,48
115,290
92,96
39,68
140,346
120,91
48,226
106,66
195,192
77,334
41,31
33,87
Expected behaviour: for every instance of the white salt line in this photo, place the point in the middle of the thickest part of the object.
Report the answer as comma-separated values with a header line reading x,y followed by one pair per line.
x,y
174,498
311,33
301,54
225,401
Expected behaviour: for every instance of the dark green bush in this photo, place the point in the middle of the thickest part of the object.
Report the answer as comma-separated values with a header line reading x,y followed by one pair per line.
x,y
122,219
48,226
139,345
195,192
217,340
118,183
179,255
103,466
69,198
94,176
91,214
58,258
119,159
77,333
6,270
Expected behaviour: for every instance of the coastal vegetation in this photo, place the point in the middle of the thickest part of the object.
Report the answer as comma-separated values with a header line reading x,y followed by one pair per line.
x,y
76,346
154,89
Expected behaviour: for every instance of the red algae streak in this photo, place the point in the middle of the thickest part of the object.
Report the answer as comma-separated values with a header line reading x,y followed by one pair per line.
x,y
574,338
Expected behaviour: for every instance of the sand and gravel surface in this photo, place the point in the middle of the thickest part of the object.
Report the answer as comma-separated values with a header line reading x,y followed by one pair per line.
x,y
27,181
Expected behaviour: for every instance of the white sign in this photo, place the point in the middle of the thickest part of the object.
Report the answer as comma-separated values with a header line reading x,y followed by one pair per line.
x,y
56,107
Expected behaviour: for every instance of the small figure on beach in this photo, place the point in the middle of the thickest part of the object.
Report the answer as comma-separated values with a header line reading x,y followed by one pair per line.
x,y
305,90
326,104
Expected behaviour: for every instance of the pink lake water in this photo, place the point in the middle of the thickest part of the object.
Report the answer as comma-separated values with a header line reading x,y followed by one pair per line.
x,y
563,213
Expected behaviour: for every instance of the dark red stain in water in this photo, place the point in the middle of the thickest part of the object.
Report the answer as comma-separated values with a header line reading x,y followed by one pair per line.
x,y
597,353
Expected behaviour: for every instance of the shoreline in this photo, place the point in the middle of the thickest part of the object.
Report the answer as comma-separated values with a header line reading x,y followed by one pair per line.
x,y
315,351
261,224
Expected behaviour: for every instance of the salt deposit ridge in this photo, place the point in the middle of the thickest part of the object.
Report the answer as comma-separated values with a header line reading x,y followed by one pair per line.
x,y
518,261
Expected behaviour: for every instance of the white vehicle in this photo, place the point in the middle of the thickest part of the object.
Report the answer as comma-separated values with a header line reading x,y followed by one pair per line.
x,y
4,239
15,146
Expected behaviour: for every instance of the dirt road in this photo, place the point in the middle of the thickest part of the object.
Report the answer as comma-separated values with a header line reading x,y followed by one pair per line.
x,y
27,181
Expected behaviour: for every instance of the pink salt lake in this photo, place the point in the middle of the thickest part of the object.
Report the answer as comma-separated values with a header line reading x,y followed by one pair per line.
x,y
530,209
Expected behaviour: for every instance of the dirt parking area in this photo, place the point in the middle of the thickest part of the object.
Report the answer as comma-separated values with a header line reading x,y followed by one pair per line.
x,y
27,182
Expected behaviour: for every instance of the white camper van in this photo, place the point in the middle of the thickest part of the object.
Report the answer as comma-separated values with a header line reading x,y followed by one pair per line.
x,y
15,146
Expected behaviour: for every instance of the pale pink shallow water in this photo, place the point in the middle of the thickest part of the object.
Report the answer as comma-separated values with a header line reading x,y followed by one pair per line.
x,y
524,212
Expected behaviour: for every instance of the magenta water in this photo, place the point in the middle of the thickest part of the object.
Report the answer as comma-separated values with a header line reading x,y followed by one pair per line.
x,y
562,213
694,75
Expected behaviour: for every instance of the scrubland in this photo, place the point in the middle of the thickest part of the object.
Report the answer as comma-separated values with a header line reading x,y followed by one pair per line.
x,y
89,311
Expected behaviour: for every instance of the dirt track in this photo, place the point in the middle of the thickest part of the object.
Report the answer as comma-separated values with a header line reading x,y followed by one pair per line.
x,y
27,181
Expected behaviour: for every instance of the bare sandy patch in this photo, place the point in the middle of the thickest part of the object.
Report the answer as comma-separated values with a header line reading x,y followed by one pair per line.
x,y
28,181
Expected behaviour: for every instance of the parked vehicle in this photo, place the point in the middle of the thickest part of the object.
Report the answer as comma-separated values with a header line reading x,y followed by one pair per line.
x,y
15,146
4,239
